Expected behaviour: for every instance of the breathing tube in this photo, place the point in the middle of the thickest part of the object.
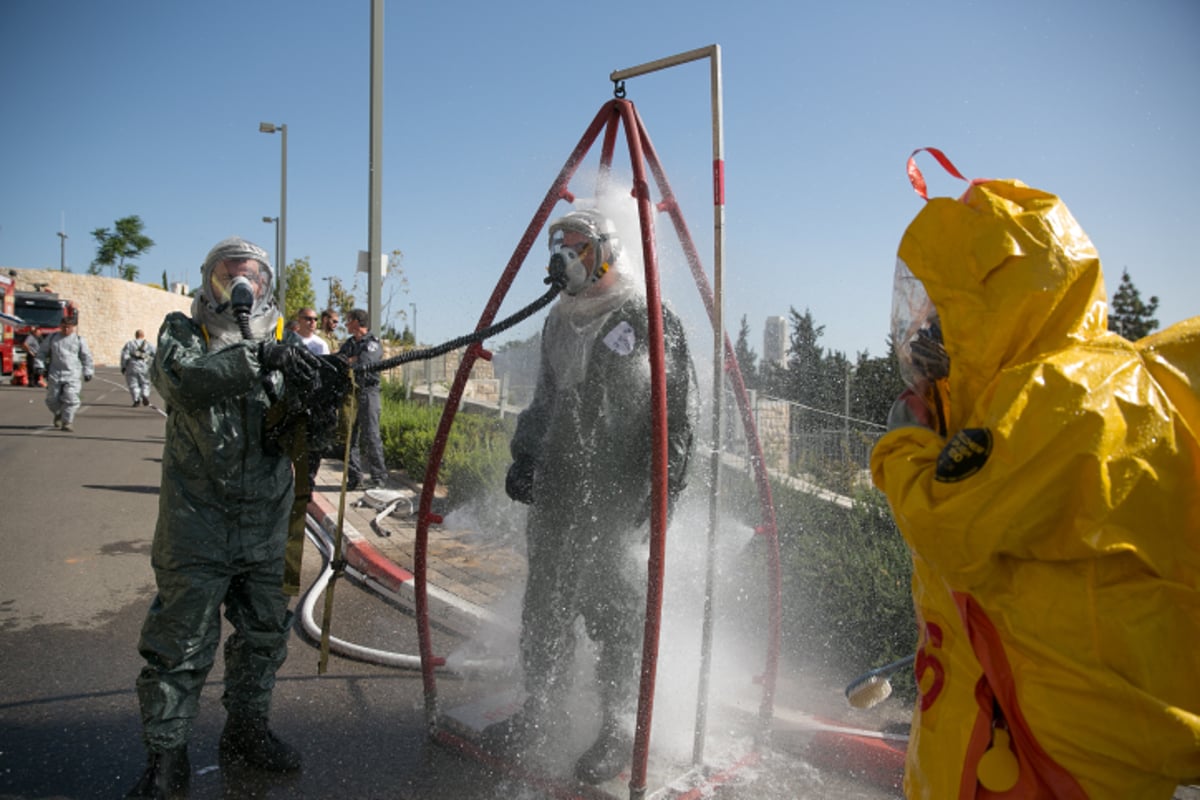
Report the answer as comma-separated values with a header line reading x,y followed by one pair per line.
x,y
241,300
557,280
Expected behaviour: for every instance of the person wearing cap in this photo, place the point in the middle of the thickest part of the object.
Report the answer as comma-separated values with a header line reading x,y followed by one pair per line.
x,y
136,356
582,463
64,358
222,528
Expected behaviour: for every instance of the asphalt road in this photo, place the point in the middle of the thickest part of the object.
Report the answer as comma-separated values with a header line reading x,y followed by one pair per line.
x,y
76,524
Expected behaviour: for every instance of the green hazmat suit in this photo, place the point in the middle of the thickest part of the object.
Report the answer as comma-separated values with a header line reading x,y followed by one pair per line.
x,y
1054,525
222,529
587,435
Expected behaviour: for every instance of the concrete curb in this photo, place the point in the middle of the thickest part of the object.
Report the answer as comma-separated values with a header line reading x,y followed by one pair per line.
x,y
445,608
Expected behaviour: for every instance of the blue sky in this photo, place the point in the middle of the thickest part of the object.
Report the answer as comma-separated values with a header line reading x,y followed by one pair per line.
x,y
152,107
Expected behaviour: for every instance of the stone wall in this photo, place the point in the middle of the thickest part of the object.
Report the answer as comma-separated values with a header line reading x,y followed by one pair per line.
x,y
110,309
440,372
773,421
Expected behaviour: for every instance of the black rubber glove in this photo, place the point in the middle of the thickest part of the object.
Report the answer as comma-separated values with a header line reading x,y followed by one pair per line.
x,y
929,356
518,484
296,363
87,378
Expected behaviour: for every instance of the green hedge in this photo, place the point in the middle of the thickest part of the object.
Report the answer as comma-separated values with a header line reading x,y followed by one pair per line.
x,y
476,455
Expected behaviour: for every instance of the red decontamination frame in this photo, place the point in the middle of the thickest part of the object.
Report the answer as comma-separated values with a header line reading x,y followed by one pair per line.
x,y
612,115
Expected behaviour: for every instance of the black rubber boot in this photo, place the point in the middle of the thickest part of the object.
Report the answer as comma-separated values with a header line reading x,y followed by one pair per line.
x,y
248,740
607,756
167,777
509,735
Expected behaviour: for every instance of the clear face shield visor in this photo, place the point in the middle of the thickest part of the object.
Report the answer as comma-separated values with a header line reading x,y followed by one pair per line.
x,y
917,333
241,282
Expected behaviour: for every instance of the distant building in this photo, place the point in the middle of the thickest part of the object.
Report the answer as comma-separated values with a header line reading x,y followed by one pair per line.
x,y
775,341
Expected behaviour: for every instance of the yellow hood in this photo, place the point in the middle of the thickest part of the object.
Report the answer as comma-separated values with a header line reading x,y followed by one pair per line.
x,y
1062,509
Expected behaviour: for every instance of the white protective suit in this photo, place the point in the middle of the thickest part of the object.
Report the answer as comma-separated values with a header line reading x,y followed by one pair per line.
x,y
136,357
66,362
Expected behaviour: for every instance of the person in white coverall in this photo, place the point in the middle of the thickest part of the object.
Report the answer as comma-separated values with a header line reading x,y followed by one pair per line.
x,y
64,358
136,357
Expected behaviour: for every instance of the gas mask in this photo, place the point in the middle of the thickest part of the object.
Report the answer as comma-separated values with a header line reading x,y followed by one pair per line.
x,y
238,283
567,267
917,335
592,236
235,296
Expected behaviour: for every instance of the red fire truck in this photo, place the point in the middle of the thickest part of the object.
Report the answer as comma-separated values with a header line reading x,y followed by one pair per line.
x,y
25,314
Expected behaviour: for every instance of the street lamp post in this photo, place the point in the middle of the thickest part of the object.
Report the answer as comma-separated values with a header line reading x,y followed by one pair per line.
x,y
413,306
269,220
281,235
62,251
329,282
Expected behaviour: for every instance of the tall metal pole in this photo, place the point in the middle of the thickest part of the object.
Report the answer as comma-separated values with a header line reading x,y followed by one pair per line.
x,y
281,230
375,201
276,221
413,306
713,54
281,264
62,255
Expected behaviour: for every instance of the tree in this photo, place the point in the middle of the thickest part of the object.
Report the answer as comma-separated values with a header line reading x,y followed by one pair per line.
x,y
394,283
300,292
1128,315
745,355
804,372
115,248
877,383
341,298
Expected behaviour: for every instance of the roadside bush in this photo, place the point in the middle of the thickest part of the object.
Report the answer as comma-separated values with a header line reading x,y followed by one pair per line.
x,y
846,579
476,454
846,574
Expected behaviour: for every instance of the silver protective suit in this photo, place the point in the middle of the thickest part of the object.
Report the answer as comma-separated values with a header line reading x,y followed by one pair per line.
x,y
222,526
136,357
588,430
66,361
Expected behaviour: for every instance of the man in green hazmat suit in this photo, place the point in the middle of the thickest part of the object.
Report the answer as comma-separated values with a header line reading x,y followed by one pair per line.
x,y
1046,475
582,461
223,520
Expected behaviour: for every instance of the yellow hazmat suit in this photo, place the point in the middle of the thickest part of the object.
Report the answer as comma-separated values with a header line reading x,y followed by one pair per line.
x,y
1055,527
